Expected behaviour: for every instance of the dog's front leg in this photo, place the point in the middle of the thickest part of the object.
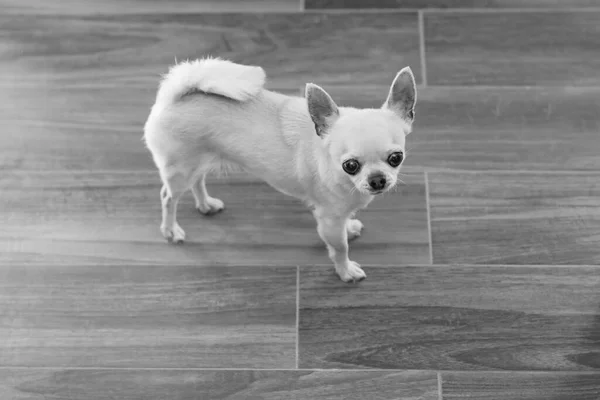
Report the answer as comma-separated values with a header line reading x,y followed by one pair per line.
x,y
332,229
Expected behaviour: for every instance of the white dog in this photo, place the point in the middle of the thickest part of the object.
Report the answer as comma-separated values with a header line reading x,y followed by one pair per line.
x,y
212,113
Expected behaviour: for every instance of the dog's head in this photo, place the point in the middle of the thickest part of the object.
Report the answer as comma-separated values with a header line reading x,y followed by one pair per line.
x,y
367,146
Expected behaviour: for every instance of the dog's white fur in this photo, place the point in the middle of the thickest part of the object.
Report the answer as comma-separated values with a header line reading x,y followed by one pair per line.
x,y
211,75
212,114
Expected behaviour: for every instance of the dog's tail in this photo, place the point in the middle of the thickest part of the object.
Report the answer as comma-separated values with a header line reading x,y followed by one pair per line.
x,y
211,75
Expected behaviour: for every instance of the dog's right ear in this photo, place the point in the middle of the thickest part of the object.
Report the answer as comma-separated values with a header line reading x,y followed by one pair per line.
x,y
321,107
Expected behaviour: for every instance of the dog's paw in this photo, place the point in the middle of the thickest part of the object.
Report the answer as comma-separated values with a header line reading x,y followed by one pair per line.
x,y
210,206
174,234
352,272
354,227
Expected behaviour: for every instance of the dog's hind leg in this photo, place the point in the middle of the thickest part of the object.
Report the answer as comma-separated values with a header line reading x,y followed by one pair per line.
x,y
175,184
204,203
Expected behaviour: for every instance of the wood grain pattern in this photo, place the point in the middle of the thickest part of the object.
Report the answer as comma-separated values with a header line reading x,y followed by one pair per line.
x,y
468,128
482,128
366,4
453,318
77,89
523,386
526,48
75,128
147,316
216,385
73,218
90,7
78,127
525,218
128,49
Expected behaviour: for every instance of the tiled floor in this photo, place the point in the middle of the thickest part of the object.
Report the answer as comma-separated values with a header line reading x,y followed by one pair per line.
x,y
483,268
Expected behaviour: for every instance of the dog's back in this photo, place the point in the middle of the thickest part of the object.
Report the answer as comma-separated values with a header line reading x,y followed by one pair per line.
x,y
197,97
214,114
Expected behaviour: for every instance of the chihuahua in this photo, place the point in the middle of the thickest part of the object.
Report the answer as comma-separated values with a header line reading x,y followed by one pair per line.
x,y
212,114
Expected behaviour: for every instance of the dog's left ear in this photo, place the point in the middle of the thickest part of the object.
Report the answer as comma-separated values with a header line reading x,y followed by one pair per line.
x,y
403,95
321,107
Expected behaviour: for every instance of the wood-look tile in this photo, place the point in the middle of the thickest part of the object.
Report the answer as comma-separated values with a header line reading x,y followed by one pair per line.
x,y
524,218
87,7
526,48
424,4
216,385
482,128
125,49
77,127
73,218
468,128
148,316
77,90
452,318
520,385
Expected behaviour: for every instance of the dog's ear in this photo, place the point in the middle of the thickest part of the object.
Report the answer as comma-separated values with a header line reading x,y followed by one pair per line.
x,y
321,107
403,95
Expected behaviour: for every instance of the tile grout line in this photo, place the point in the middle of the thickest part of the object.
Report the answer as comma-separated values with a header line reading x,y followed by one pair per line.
x,y
422,48
439,382
510,10
428,206
9,263
394,10
454,10
297,316
341,370
446,86
248,179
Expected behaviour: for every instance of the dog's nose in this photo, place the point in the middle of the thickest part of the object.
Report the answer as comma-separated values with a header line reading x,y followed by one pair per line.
x,y
377,182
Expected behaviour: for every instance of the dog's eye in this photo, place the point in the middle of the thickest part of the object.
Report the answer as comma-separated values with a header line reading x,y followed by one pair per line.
x,y
351,166
395,158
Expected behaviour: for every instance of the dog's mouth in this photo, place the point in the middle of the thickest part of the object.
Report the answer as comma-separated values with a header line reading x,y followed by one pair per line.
x,y
366,189
376,192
